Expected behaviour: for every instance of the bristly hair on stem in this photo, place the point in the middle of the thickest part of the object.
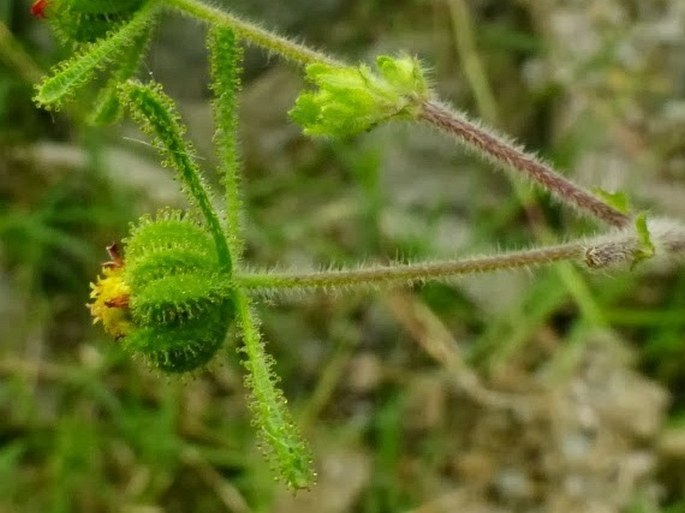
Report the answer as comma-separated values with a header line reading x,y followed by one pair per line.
x,y
504,153
252,33
407,274
625,247
225,58
349,100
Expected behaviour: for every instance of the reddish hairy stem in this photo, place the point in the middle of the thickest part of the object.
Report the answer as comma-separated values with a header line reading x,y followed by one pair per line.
x,y
508,155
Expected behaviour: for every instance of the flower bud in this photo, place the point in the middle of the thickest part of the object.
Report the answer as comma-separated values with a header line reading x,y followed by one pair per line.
x,y
167,299
350,100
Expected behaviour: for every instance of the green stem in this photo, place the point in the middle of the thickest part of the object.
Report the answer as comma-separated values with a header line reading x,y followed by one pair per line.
x,y
252,33
225,67
411,273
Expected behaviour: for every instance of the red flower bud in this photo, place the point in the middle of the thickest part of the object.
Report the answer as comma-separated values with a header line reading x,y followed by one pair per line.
x,y
38,8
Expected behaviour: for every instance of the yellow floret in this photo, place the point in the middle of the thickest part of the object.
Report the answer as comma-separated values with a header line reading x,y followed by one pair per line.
x,y
110,296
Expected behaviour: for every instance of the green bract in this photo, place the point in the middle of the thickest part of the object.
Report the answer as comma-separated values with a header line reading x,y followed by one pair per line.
x,y
115,45
88,20
180,301
646,248
350,100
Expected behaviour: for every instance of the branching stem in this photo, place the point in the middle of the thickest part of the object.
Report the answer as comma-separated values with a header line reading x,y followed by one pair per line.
x,y
506,154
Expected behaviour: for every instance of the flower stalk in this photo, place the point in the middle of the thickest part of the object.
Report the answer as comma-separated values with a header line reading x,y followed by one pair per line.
x,y
252,33
506,154
408,274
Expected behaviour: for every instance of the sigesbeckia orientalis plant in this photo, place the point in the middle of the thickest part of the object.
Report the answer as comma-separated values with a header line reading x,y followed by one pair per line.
x,y
177,285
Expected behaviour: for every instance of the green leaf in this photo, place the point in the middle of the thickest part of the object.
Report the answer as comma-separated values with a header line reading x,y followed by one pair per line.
x,y
646,249
68,77
619,200
283,443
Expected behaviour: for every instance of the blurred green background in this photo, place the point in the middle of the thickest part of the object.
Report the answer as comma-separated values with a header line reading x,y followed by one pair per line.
x,y
550,391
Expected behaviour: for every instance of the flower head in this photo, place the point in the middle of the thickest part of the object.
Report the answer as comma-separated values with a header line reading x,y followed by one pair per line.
x,y
110,295
168,300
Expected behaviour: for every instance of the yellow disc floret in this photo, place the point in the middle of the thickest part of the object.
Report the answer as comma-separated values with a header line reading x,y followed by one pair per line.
x,y
110,295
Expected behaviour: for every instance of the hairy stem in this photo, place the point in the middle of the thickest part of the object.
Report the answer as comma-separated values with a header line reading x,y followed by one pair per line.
x,y
66,78
411,273
225,66
252,33
496,148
